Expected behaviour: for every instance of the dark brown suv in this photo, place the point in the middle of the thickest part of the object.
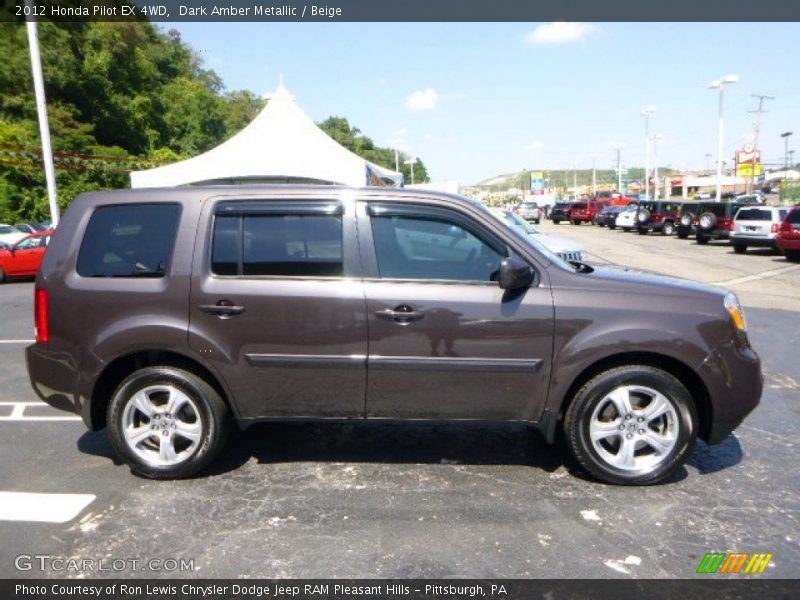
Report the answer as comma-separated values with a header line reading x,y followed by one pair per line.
x,y
170,315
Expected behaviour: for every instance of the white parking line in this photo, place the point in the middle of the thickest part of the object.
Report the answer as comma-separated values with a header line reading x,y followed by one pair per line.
x,y
42,508
758,276
17,341
18,413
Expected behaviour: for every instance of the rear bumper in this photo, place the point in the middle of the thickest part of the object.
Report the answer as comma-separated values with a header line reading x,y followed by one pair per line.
x,y
770,242
735,382
785,244
55,378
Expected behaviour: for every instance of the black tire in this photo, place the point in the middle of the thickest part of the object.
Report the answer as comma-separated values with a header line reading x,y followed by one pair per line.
x,y
213,418
556,221
792,255
2,276
626,229
702,239
574,222
668,228
595,392
642,230
740,248
612,226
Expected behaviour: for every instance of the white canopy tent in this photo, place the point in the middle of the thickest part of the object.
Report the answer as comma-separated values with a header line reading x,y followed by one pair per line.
x,y
282,144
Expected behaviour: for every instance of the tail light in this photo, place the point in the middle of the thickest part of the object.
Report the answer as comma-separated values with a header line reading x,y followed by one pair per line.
x,y
41,310
726,224
775,228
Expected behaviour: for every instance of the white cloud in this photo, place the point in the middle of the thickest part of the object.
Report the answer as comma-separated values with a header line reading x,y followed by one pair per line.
x,y
559,32
426,99
536,145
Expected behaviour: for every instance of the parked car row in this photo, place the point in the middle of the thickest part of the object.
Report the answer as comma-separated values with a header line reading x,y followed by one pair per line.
x,y
744,221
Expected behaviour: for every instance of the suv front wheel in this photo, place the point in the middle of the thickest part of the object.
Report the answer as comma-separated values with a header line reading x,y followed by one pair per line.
x,y
167,423
632,425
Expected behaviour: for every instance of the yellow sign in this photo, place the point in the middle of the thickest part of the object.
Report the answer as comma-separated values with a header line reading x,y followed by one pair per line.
x,y
749,170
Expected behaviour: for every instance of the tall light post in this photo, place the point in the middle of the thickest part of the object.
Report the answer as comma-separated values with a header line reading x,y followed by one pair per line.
x,y
411,162
720,84
41,109
647,112
785,135
656,137
619,170
594,177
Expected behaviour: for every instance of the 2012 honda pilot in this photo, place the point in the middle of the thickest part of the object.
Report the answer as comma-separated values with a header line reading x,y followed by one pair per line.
x,y
171,316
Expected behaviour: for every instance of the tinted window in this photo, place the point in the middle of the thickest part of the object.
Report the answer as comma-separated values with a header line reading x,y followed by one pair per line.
x,y
754,214
579,205
270,244
418,248
130,240
793,216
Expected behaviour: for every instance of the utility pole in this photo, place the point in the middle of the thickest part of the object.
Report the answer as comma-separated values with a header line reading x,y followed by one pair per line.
x,y
619,170
758,112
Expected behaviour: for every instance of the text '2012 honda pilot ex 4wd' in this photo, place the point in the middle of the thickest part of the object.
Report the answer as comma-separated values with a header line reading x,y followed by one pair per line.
x,y
169,315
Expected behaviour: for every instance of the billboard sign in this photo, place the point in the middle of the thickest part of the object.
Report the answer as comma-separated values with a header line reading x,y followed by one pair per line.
x,y
537,183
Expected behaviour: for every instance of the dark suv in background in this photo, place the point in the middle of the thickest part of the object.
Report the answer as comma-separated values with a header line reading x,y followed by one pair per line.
x,y
560,212
707,220
168,316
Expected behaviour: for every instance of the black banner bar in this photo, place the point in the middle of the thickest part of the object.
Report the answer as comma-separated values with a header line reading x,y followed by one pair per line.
x,y
707,587
401,10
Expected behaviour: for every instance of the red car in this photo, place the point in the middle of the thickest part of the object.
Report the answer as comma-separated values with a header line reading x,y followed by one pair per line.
x,y
586,211
23,258
789,235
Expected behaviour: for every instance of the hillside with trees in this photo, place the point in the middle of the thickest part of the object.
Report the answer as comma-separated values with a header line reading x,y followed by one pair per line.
x,y
121,97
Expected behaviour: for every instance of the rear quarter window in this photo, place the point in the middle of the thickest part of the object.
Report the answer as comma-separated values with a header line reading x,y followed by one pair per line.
x,y
793,216
129,240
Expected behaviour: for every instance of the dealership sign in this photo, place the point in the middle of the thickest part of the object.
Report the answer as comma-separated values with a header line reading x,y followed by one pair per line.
x,y
748,162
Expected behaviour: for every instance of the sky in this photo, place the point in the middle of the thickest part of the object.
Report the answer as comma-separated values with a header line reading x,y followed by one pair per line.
x,y
474,100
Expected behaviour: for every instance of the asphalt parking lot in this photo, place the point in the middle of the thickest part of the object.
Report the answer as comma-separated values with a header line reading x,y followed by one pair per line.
x,y
423,500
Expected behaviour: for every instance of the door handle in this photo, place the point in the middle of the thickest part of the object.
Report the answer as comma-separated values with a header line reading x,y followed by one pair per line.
x,y
224,309
402,314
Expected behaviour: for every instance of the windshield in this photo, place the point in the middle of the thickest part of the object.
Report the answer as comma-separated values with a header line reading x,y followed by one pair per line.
x,y
529,205
8,229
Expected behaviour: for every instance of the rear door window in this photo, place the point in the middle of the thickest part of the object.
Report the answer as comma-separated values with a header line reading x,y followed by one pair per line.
x,y
129,240
793,216
289,245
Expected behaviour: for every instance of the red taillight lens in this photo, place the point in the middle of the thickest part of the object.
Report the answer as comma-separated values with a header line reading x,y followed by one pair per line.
x,y
776,228
41,309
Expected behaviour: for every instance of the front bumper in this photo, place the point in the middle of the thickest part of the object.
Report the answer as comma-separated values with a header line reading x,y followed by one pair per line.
x,y
734,380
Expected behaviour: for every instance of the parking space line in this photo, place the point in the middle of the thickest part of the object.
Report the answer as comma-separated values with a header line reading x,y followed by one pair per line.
x,y
758,276
42,508
17,341
18,413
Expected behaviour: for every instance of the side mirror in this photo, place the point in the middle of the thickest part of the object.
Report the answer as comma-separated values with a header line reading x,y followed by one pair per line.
x,y
515,274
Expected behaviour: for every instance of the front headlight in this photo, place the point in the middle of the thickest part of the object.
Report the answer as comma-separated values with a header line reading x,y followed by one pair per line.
x,y
735,309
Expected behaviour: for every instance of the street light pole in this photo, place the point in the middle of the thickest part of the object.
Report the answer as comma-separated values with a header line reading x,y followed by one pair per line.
x,y
619,170
646,113
785,135
41,109
594,177
720,84
656,137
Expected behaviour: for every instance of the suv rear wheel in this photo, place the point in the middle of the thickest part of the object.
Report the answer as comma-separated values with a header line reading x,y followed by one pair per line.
x,y
792,255
167,423
632,425
740,248
668,228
